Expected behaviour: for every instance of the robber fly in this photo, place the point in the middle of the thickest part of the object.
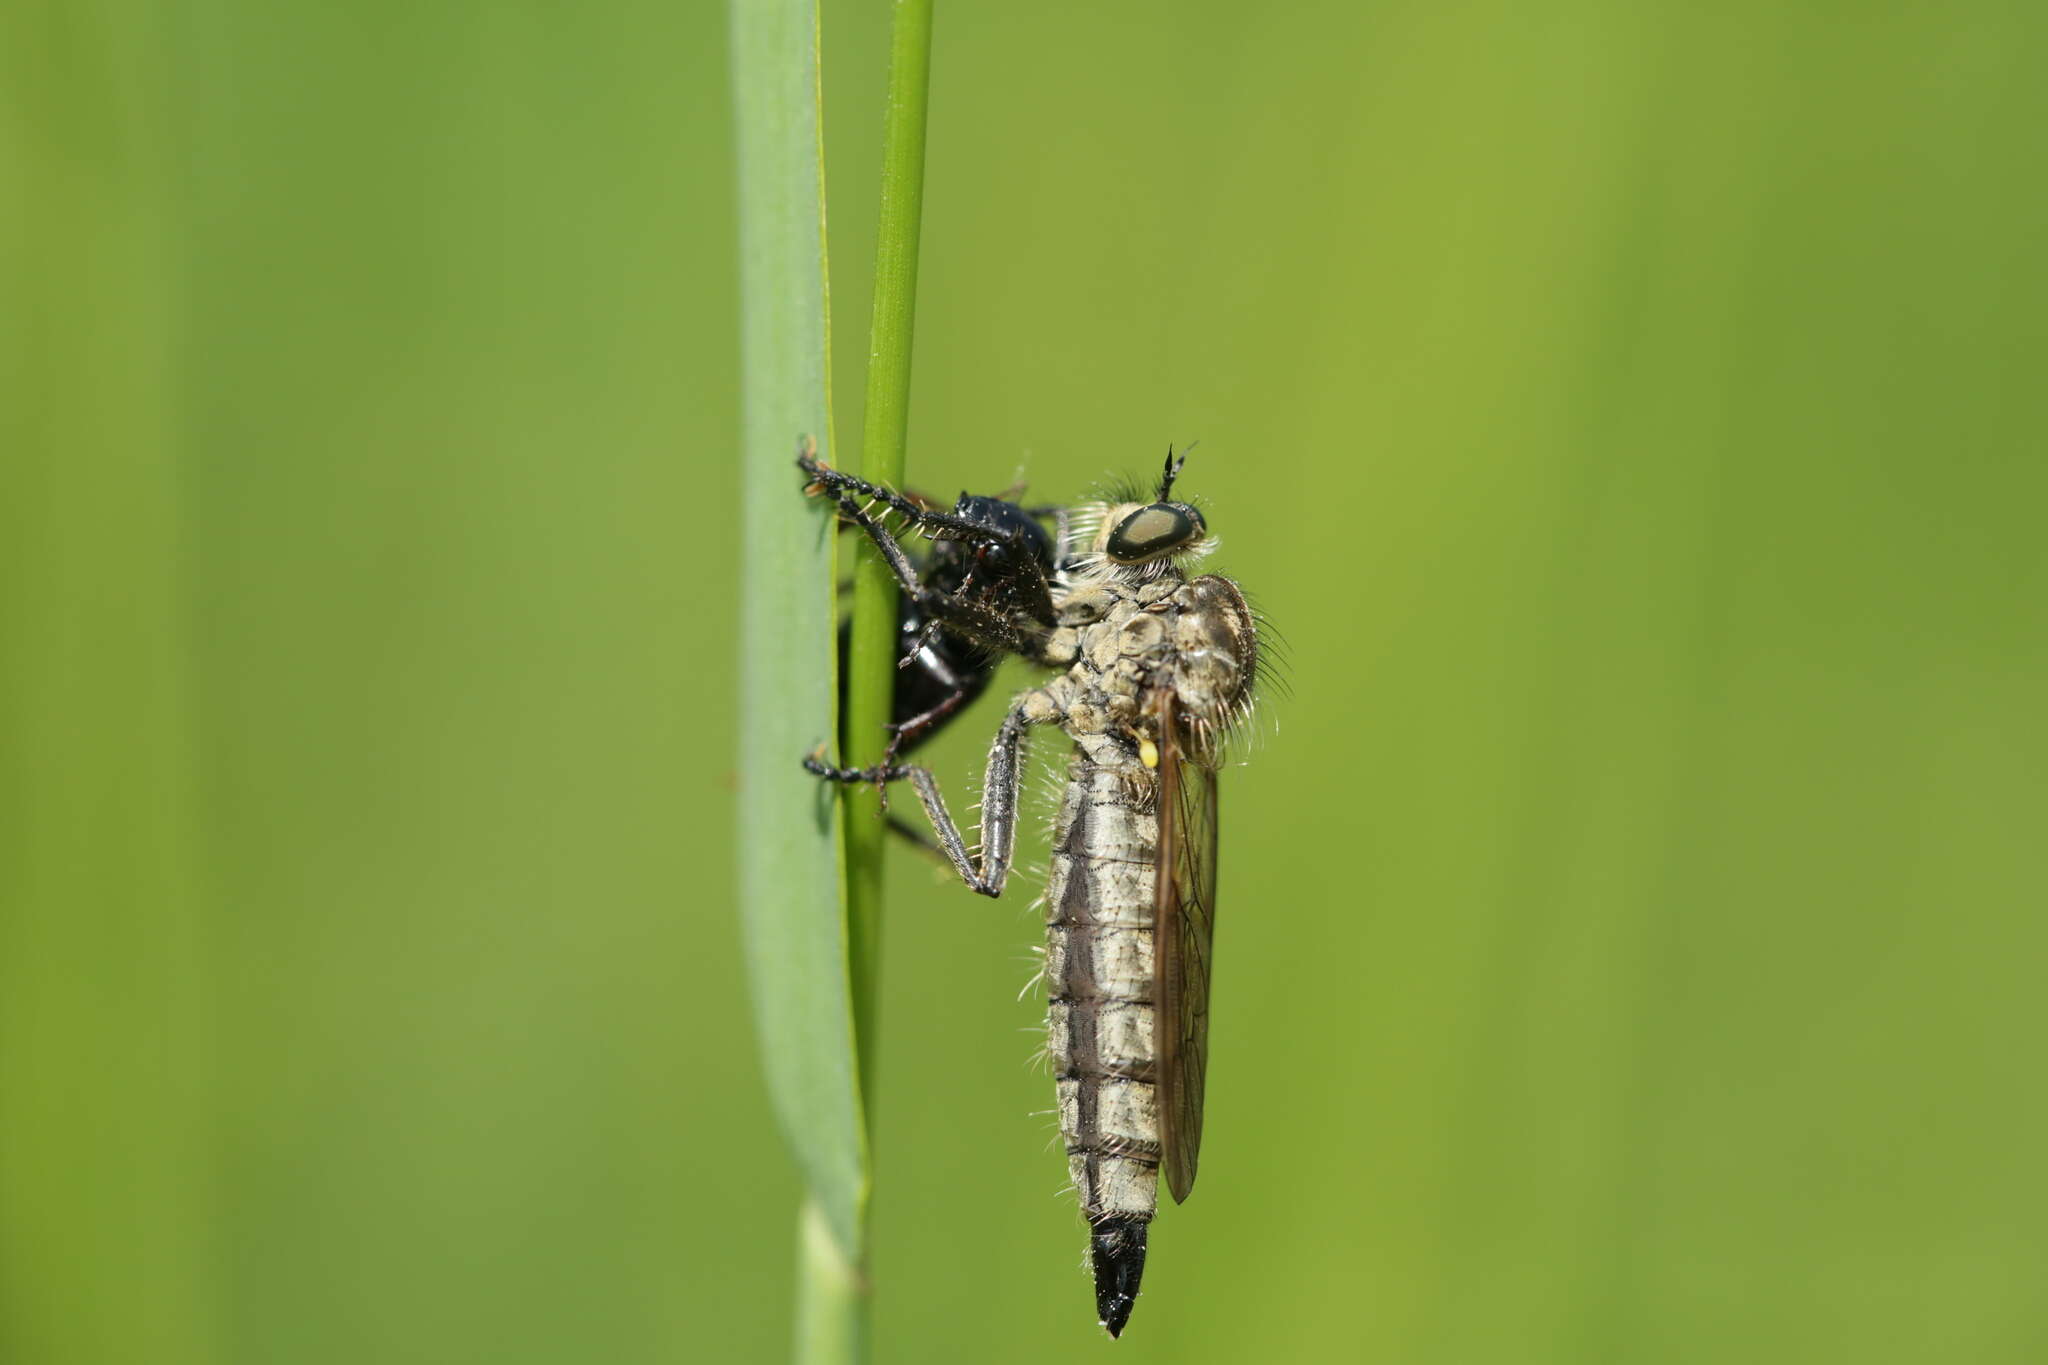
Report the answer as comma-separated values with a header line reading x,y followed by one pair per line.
x,y
1155,670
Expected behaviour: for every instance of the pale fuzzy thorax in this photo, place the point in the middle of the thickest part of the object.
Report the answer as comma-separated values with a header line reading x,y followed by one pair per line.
x,y
1252,723
1084,533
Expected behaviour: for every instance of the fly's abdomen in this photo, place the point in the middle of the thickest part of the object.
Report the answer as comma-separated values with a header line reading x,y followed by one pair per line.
x,y
1099,976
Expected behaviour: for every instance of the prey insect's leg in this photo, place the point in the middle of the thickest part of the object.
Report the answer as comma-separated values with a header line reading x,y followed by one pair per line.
x,y
842,486
991,629
908,832
904,732
935,665
899,562
967,616
987,871
910,730
929,522
846,491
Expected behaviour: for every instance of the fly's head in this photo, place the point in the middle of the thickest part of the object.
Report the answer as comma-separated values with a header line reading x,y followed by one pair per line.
x,y
1135,540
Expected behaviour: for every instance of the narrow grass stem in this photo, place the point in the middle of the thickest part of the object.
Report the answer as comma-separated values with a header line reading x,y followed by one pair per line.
x,y
871,675
831,1309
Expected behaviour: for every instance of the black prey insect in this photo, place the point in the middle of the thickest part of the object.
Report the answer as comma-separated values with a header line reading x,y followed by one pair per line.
x,y
942,669
1154,671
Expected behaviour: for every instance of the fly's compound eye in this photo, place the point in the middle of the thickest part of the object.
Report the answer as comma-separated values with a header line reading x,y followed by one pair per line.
x,y
1162,528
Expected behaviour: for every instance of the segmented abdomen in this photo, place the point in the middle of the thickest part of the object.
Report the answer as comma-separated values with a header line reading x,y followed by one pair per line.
x,y
1099,977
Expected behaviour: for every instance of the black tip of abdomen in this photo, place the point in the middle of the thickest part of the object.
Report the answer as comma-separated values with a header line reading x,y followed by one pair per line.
x,y
1116,1247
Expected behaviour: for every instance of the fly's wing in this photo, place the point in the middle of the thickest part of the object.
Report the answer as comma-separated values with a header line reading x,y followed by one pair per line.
x,y
1184,928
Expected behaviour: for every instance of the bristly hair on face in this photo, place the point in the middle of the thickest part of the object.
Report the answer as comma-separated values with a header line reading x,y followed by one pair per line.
x,y
1123,488
1087,519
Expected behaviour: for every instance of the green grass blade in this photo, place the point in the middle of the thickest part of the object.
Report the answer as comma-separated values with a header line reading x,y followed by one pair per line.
x,y
813,956
789,836
108,1247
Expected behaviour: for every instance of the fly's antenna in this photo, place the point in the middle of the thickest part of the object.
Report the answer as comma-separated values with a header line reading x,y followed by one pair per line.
x,y
1172,470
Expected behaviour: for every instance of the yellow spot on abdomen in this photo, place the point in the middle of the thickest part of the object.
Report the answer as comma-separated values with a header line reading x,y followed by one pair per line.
x,y
1148,752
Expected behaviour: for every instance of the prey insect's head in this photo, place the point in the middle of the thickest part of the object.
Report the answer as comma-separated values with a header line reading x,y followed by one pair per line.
x,y
1138,533
1022,530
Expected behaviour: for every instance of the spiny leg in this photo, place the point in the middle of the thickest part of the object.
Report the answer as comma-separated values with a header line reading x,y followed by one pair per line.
x,y
845,490
841,485
969,618
1028,581
987,871
912,730
909,833
927,521
984,625
899,562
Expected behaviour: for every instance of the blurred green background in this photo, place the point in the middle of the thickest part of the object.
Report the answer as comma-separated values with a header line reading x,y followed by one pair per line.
x,y
1632,930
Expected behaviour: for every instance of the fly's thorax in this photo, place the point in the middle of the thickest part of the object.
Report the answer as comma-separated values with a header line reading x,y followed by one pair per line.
x,y
1141,633
1092,605
1215,652
1099,696
1046,705
1131,640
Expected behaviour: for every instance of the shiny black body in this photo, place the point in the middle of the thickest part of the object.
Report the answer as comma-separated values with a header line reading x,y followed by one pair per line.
x,y
942,670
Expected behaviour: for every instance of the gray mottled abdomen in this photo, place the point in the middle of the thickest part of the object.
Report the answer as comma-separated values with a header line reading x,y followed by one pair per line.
x,y
1099,978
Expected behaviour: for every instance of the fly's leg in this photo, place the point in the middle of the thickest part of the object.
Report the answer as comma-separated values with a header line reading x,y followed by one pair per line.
x,y
950,844
842,486
931,664
970,618
911,730
988,868
908,832
899,562
984,625
847,491
924,639
920,644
